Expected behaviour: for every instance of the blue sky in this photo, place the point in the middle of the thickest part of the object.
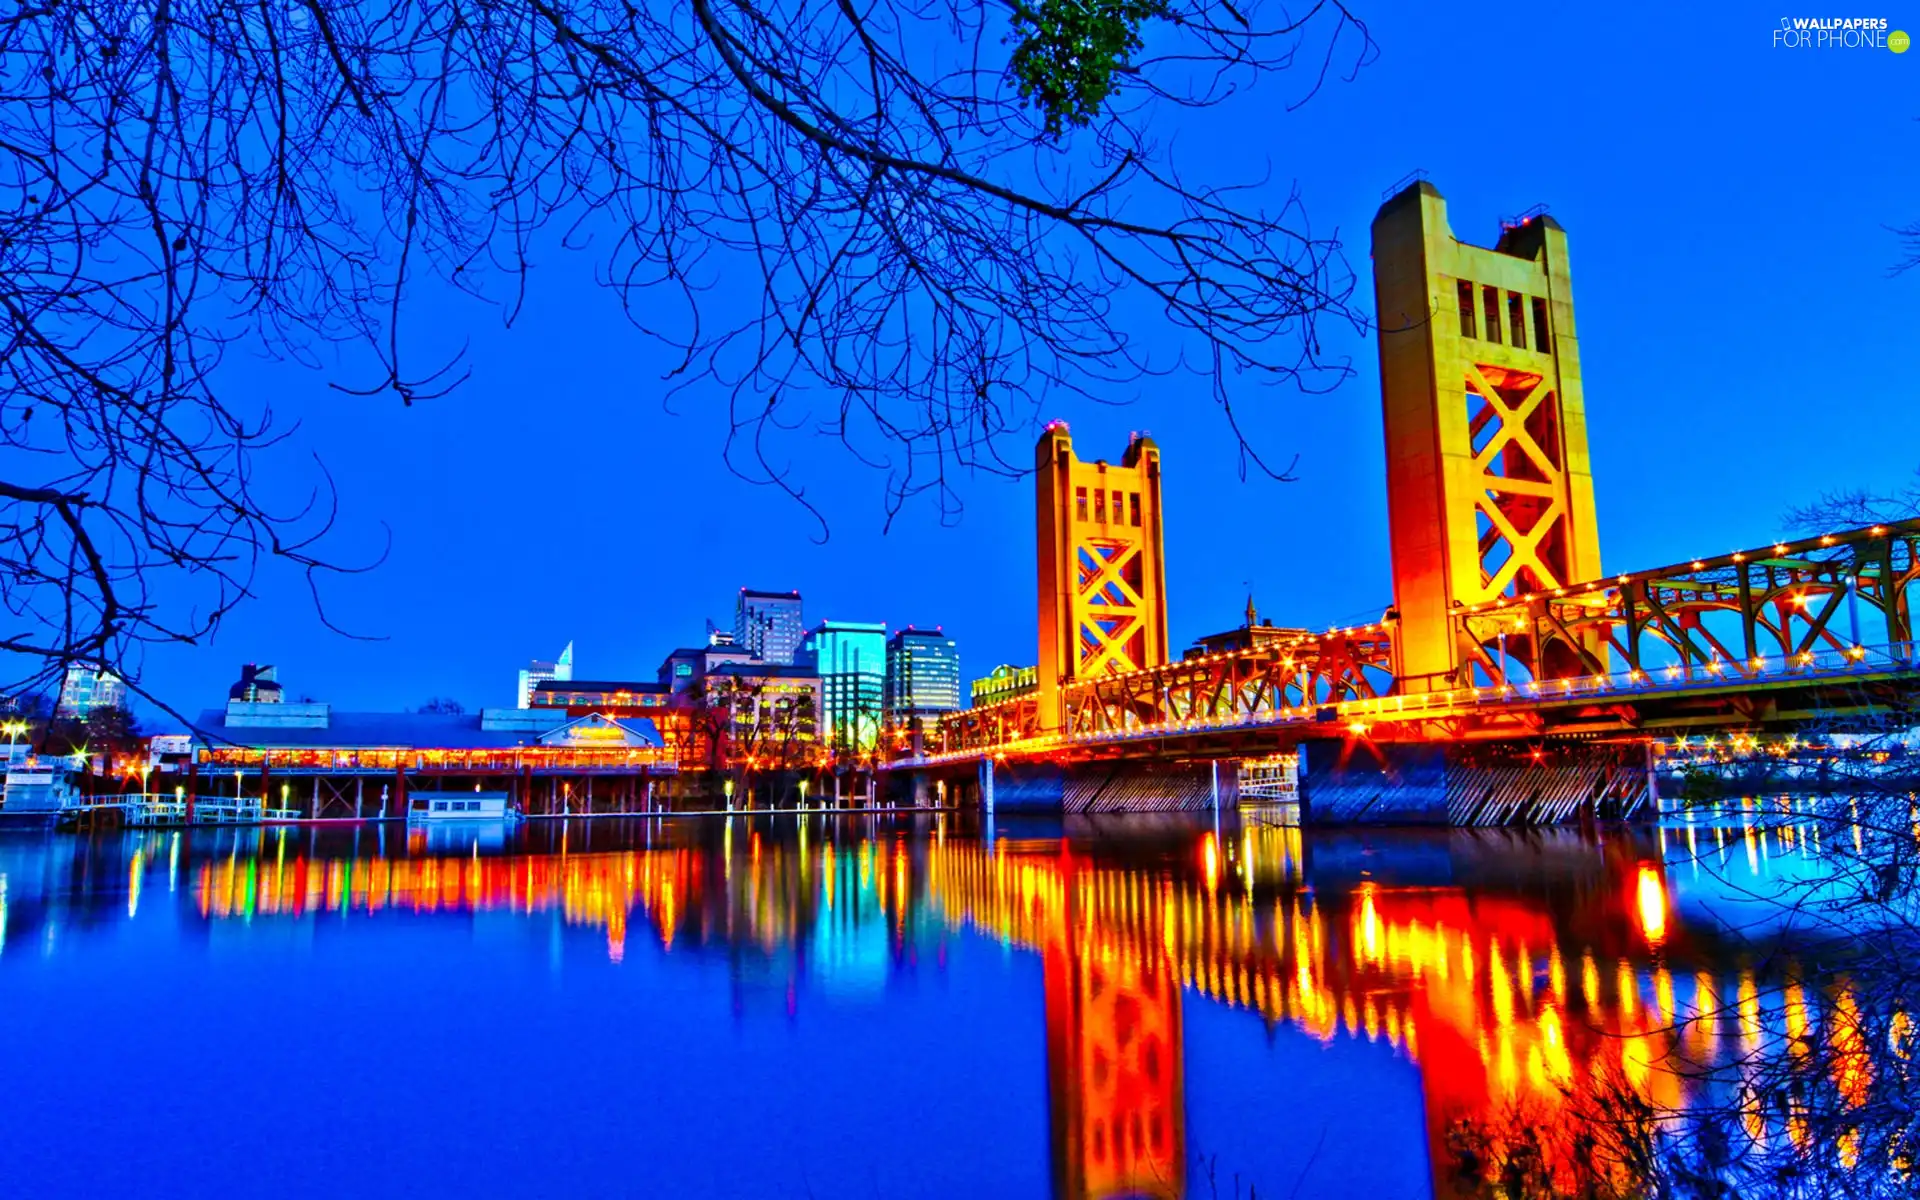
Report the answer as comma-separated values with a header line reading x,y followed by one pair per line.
x,y
1743,348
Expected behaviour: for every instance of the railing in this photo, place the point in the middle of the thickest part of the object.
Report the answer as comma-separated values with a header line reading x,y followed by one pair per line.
x,y
159,808
1851,662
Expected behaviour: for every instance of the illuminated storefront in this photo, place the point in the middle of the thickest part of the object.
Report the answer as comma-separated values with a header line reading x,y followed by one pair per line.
x,y
320,761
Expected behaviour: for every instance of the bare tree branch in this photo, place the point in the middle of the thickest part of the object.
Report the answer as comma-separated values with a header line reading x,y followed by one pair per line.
x,y
904,225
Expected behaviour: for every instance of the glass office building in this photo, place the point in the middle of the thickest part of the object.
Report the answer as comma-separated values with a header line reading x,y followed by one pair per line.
x,y
83,690
923,675
768,624
851,657
539,672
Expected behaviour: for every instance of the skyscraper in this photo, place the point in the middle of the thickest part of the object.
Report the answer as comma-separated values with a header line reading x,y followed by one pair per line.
x,y
851,657
539,672
768,624
257,686
85,689
923,674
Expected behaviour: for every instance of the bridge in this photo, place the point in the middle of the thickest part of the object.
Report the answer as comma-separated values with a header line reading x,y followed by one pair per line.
x,y
1510,679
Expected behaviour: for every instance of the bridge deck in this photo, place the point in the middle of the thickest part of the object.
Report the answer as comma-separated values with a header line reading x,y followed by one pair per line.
x,y
1623,702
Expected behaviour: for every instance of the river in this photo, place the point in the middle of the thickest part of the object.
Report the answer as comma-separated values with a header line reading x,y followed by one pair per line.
x,y
921,1006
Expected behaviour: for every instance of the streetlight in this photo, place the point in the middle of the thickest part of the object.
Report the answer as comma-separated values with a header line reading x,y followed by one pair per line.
x,y
803,795
728,788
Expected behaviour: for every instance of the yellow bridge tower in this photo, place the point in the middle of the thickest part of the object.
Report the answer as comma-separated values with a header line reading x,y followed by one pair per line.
x,y
1103,600
1489,488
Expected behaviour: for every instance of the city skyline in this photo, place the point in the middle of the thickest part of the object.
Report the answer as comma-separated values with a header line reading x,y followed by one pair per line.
x,y
1692,309
1092,572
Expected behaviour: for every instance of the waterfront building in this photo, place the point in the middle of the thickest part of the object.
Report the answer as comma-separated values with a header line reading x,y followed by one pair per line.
x,y
1004,682
851,657
321,762
257,686
768,624
761,714
670,712
168,754
686,667
624,697
923,675
539,672
1247,637
85,689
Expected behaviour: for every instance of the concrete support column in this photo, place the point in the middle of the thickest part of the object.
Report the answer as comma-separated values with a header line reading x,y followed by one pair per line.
x,y
986,785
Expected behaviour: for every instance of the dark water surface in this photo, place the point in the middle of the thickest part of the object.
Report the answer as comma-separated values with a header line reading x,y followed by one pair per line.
x,y
829,1007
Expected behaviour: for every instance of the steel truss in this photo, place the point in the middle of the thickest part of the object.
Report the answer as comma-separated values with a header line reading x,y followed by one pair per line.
x,y
1271,680
1804,608
1749,615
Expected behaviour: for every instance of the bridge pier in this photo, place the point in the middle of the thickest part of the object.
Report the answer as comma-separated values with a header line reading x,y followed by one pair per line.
x,y
1105,787
919,789
1365,783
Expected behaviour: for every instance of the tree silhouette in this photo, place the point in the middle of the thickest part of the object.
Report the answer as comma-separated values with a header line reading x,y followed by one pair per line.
x,y
948,214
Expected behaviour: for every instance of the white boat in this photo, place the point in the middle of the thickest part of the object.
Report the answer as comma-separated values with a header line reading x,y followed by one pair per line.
x,y
460,806
38,791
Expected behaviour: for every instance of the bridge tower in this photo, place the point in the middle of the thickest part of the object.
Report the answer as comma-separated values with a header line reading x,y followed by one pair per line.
x,y
1489,487
1103,604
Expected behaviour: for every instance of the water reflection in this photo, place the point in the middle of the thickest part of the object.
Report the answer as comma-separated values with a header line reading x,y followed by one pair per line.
x,y
1524,976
